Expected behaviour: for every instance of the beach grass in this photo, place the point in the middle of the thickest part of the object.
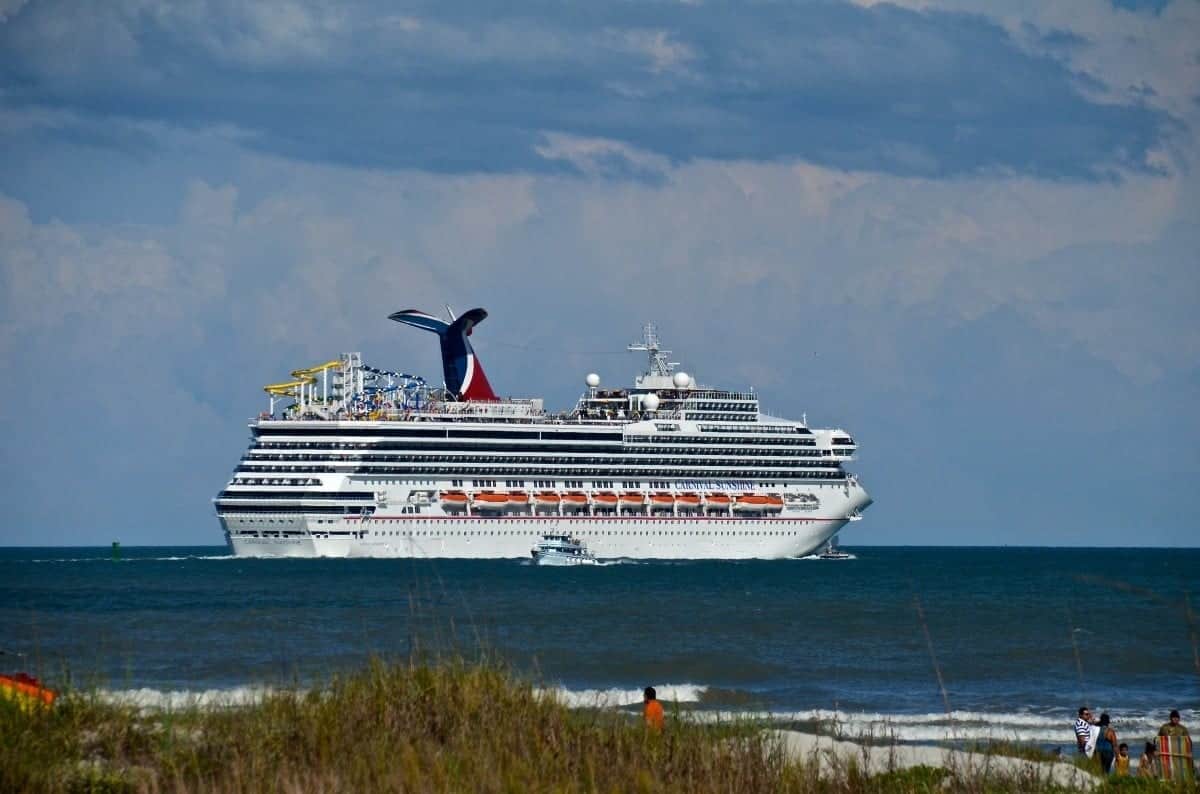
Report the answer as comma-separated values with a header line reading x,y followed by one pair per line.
x,y
448,726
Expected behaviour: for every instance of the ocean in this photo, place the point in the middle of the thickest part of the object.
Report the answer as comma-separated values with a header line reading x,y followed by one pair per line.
x,y
1019,637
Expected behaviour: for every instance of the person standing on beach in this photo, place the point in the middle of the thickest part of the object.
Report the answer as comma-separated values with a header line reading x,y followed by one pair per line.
x,y
1173,727
1083,732
1121,762
1106,745
652,710
1148,763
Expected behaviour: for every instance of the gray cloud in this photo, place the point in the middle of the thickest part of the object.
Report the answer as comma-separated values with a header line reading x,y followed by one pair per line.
x,y
444,88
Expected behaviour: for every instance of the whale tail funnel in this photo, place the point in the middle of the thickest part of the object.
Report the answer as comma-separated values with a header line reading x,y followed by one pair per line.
x,y
460,366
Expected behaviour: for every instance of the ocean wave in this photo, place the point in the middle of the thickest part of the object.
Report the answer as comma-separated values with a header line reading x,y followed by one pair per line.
x,y
135,559
159,699
1051,727
616,697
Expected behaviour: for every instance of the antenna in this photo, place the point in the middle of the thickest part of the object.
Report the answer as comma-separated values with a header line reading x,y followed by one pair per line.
x,y
657,363
450,313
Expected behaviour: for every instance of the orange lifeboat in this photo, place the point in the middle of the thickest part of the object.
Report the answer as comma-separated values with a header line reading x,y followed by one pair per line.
x,y
574,501
718,500
774,503
750,503
604,499
490,502
688,501
662,501
518,499
547,500
453,500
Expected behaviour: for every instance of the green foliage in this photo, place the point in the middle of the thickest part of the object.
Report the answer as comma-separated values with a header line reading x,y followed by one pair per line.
x,y
453,726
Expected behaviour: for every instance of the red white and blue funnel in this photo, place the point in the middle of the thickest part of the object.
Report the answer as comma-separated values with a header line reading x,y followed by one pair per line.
x,y
460,366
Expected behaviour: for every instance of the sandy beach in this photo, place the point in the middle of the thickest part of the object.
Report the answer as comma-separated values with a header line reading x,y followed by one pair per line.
x,y
833,756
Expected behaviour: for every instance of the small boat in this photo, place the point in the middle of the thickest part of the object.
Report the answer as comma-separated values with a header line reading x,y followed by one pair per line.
x,y
662,501
453,501
750,503
489,502
833,553
604,499
518,499
774,503
560,548
547,500
688,501
575,502
717,503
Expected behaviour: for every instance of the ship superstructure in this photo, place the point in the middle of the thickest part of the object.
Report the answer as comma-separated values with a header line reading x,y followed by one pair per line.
x,y
350,460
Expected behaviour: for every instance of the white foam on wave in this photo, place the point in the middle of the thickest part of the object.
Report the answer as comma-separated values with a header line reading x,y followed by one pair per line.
x,y
615,698
957,726
137,559
165,700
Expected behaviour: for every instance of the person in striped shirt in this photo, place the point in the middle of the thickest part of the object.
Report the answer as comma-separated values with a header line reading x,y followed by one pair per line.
x,y
1083,731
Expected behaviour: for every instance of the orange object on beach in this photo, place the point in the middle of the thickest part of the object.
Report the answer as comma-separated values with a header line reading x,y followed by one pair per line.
x,y
652,713
26,690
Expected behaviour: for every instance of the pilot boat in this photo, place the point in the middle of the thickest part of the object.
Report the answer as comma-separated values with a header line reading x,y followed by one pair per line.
x,y
834,553
561,548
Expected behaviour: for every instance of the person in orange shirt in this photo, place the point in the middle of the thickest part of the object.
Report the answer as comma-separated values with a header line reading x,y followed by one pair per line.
x,y
652,710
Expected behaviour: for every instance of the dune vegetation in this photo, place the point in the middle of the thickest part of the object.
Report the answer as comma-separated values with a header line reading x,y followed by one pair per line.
x,y
450,726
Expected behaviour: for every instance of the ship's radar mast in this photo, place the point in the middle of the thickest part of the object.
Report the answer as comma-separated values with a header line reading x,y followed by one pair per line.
x,y
657,363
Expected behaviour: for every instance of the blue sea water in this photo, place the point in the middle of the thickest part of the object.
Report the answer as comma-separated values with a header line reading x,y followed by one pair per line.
x,y
1020,637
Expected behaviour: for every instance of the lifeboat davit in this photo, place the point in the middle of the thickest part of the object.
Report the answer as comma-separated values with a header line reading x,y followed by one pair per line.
x,y
455,501
604,499
750,503
490,502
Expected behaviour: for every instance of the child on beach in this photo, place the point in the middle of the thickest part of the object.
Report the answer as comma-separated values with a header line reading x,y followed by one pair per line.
x,y
1121,762
1148,763
652,710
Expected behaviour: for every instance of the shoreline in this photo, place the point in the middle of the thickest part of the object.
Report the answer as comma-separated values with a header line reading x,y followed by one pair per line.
x,y
471,727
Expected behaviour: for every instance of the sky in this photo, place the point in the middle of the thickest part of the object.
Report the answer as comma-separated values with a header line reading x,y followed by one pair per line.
x,y
965,231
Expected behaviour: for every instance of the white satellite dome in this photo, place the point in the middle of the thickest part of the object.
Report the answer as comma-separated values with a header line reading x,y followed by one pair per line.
x,y
650,402
682,380
592,379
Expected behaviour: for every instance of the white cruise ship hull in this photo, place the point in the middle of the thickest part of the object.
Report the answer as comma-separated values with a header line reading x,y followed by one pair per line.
x,y
489,538
512,536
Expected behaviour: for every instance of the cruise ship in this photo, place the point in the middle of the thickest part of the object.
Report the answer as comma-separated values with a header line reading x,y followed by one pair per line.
x,y
353,461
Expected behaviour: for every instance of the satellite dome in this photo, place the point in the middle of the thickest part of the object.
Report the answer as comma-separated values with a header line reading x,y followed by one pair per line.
x,y
682,380
593,379
650,402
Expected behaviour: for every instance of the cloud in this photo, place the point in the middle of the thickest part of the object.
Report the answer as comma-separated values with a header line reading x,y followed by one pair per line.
x,y
853,296
880,88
